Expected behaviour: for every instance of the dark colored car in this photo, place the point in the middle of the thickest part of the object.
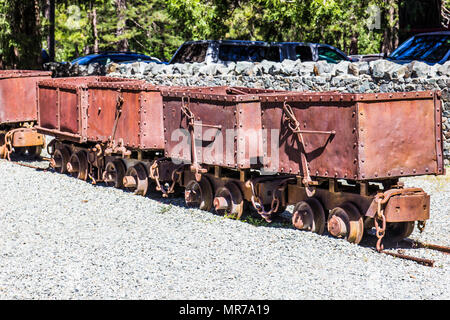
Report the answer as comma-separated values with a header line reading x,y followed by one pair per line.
x,y
225,51
118,57
431,48
306,51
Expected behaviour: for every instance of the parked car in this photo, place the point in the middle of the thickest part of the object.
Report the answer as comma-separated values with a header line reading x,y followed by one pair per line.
x,y
306,51
367,57
104,58
431,48
225,51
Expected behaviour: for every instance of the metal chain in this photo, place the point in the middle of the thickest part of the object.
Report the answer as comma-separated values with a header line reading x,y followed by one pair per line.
x,y
176,175
380,231
119,105
187,112
9,143
421,226
294,125
275,204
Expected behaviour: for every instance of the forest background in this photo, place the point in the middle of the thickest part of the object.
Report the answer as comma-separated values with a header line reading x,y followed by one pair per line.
x,y
158,27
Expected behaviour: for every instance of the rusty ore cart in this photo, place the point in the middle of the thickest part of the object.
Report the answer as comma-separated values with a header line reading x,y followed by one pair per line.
x,y
337,157
18,112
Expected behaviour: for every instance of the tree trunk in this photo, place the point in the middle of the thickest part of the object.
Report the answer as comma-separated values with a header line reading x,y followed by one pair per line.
x,y
122,43
354,44
50,16
94,28
390,36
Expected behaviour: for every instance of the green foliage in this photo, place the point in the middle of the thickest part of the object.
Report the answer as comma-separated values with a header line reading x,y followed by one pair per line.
x,y
159,27
72,31
333,22
18,34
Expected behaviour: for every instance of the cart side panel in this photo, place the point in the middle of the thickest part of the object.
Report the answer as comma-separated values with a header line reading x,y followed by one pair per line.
x,y
128,124
327,155
214,132
101,113
18,96
69,121
397,138
152,127
48,107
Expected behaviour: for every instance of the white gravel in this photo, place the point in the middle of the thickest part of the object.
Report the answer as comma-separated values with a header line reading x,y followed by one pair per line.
x,y
61,238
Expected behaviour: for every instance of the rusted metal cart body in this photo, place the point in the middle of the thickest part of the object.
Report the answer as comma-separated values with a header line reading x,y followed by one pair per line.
x,y
225,129
18,111
337,157
357,136
85,109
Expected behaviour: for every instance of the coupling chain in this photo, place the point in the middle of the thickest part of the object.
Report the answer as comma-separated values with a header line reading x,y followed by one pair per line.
x,y
9,143
186,111
176,175
380,230
421,225
275,204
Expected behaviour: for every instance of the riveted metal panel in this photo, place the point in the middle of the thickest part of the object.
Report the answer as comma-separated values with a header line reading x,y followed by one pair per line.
x,y
328,156
18,95
398,137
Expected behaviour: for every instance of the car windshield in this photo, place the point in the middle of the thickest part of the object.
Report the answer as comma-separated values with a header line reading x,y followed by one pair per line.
x,y
252,53
430,48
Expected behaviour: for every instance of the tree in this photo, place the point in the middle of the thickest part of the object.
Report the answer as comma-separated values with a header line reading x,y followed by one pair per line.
x,y
20,36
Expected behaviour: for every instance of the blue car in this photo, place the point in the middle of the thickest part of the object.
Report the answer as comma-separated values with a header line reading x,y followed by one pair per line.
x,y
431,48
118,57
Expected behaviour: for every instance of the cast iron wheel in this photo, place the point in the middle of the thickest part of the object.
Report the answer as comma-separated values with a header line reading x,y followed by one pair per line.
x,y
396,231
346,222
136,179
60,158
199,194
78,165
309,215
229,201
114,172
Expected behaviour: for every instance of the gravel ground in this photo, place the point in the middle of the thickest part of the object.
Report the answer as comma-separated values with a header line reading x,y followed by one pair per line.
x,y
62,238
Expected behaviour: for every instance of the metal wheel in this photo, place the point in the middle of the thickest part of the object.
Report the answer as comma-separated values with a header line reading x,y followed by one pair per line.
x,y
60,158
346,222
396,231
78,165
199,194
136,179
229,201
114,172
309,215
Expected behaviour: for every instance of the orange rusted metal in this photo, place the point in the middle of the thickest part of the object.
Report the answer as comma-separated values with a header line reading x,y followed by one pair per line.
x,y
27,137
409,204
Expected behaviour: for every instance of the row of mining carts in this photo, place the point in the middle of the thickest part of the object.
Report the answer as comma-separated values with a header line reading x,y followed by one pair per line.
x,y
337,157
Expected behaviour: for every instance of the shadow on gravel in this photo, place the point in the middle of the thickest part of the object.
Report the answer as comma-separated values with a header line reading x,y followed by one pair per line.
x,y
250,216
25,158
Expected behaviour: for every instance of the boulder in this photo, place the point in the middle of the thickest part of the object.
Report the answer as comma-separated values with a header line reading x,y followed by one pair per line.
x,y
341,68
382,69
243,67
322,68
421,69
